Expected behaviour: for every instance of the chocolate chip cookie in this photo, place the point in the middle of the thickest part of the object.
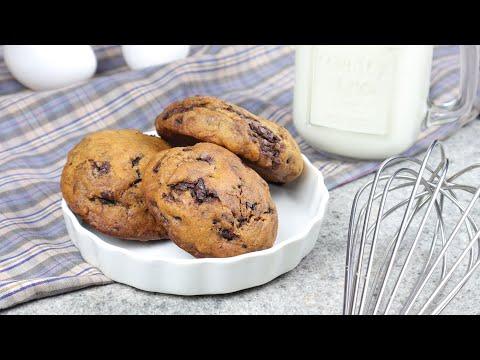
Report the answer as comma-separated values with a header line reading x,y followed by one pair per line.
x,y
211,204
264,145
101,183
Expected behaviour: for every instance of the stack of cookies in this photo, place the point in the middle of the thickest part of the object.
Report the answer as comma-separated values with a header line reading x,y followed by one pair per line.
x,y
201,185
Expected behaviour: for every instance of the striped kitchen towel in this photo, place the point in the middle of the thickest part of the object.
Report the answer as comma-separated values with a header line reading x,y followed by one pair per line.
x,y
38,129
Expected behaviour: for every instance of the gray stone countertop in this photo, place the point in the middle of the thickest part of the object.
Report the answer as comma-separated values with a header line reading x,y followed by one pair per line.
x,y
314,287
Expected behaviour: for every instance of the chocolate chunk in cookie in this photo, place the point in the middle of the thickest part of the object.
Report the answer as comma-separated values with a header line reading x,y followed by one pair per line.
x,y
211,203
264,145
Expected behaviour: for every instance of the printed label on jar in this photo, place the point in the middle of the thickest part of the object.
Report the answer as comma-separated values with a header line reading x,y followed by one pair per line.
x,y
352,87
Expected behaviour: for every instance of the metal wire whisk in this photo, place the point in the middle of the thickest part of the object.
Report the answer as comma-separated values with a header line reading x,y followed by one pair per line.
x,y
404,254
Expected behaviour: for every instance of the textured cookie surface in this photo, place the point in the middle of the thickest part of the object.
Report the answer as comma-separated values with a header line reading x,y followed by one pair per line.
x,y
211,203
264,145
101,183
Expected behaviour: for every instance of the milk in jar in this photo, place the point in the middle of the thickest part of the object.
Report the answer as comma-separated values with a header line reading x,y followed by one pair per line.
x,y
361,101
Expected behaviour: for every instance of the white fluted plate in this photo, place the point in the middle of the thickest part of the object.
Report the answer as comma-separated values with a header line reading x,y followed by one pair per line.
x,y
161,266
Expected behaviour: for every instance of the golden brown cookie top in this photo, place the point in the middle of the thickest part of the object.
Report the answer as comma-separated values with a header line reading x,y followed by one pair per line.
x,y
265,146
101,178
211,203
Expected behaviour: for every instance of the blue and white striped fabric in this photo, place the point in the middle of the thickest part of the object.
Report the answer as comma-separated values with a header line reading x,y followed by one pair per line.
x,y
38,129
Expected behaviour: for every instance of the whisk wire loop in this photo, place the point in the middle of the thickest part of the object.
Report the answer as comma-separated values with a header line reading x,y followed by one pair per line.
x,y
426,268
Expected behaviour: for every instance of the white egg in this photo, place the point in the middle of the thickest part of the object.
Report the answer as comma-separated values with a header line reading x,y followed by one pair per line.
x,y
142,56
48,67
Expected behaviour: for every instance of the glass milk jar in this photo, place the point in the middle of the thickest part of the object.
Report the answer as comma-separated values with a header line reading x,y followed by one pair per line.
x,y
370,101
